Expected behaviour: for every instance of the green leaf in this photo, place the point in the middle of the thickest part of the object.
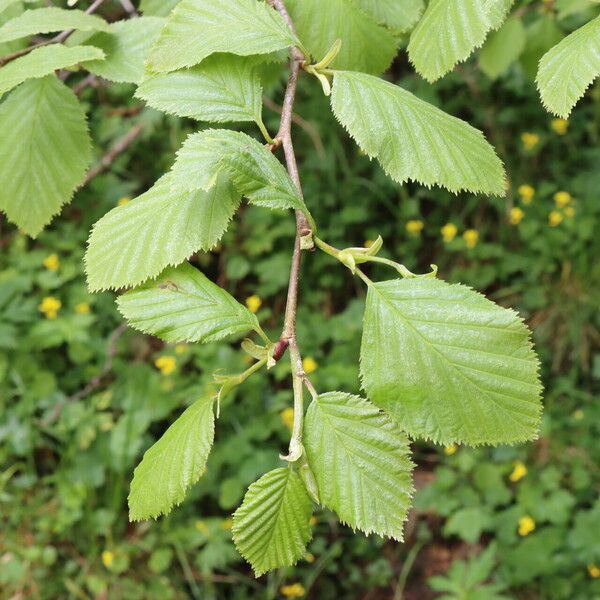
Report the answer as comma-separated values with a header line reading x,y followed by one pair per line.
x,y
160,228
366,46
45,149
360,459
126,44
158,8
542,34
4,4
47,20
413,139
183,305
255,172
448,364
198,28
569,68
272,526
449,31
223,88
44,61
400,15
173,464
503,48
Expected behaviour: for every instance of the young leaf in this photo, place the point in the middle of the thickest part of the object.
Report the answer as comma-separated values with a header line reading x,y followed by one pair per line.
x,y
413,139
173,464
566,71
45,150
224,87
448,364
449,31
400,15
44,61
253,169
158,8
503,48
183,305
198,28
360,459
46,20
160,228
126,44
271,528
366,46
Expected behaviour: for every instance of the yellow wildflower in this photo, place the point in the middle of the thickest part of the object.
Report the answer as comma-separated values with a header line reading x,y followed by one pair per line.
x,y
578,414
414,226
519,471
527,192
51,262
555,218
449,231
562,199
287,417
559,126
253,303
50,307
569,212
107,558
309,557
516,215
450,449
181,348
471,237
313,521
526,525
594,571
123,201
226,524
294,590
530,140
83,308
166,364
309,365
201,526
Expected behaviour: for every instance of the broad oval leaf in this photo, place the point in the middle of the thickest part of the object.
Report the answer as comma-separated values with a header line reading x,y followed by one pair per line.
x,y
400,15
503,48
360,460
272,526
568,69
198,28
449,31
47,20
448,364
160,228
183,305
45,150
253,169
413,139
173,464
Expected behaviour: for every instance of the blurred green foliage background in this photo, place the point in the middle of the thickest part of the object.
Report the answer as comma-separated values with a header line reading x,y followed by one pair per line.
x,y
81,397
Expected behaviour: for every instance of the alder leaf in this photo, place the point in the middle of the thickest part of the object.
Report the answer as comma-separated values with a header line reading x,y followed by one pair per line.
x,y
272,526
126,45
183,305
45,150
198,28
568,69
503,48
47,20
44,61
253,169
412,139
360,460
160,228
448,364
222,88
449,31
173,464
366,46
400,15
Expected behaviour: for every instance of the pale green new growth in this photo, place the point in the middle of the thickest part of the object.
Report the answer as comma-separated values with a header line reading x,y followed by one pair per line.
x,y
4,4
253,169
183,305
449,31
198,28
360,459
47,20
400,15
448,364
126,44
272,526
45,151
366,46
44,61
502,48
412,139
222,88
158,8
568,69
160,228
173,464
